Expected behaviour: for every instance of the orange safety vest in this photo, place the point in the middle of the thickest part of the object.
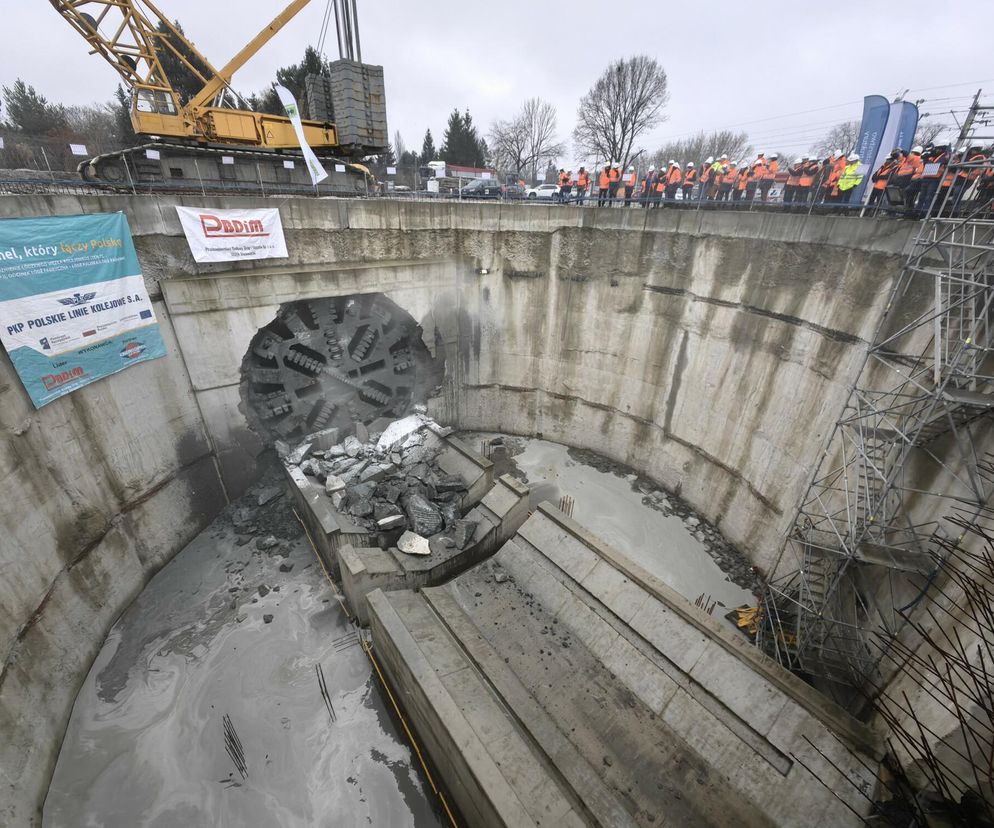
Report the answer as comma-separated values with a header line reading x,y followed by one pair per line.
x,y
690,177
614,175
674,176
881,176
744,175
912,165
661,179
582,180
603,181
794,175
568,180
758,167
630,179
771,169
562,179
973,174
808,173
729,177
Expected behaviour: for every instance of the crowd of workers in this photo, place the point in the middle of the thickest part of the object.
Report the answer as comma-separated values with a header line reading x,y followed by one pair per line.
x,y
908,182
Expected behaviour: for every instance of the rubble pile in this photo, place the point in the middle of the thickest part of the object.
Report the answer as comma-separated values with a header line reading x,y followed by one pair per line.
x,y
389,482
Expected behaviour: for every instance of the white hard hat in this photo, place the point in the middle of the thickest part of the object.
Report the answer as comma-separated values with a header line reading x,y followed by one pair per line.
x,y
690,163
631,167
775,155
672,160
652,168
853,156
724,156
676,164
710,159
759,154
838,152
917,149
805,157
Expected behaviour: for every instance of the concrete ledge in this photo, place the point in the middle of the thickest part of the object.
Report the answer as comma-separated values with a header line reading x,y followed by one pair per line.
x,y
855,732
364,569
494,777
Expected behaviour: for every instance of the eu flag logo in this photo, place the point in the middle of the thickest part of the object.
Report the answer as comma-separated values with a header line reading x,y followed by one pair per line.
x,y
145,314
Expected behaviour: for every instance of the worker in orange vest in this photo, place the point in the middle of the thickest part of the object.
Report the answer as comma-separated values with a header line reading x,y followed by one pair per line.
x,y
757,172
707,172
614,180
935,160
629,181
603,184
810,173
728,175
793,180
742,182
582,185
674,177
967,175
835,170
648,186
689,179
882,177
769,176
909,178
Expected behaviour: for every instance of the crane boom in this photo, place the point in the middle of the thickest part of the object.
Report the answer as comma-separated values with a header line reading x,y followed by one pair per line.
x,y
132,36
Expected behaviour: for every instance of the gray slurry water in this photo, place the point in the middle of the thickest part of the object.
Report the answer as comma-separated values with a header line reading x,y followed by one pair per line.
x,y
652,528
146,741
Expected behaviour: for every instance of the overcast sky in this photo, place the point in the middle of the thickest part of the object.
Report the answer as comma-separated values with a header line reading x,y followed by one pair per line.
x,y
784,71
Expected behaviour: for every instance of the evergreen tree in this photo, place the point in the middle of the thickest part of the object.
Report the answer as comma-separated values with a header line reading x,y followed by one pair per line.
x,y
428,151
293,78
185,81
121,107
461,144
32,113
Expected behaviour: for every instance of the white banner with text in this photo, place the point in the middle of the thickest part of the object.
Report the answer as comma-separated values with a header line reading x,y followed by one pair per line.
x,y
233,235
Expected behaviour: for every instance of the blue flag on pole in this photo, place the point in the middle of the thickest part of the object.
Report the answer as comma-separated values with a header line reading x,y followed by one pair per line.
x,y
876,110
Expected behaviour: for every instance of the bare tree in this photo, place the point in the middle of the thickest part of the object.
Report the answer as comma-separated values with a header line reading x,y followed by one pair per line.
x,y
930,131
526,142
702,145
399,147
842,136
626,100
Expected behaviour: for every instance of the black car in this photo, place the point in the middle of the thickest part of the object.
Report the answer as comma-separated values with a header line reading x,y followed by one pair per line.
x,y
513,192
482,188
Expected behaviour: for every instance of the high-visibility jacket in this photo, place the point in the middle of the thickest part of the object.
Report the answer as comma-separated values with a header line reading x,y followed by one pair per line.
x,y
614,175
582,180
661,181
562,179
744,175
794,174
912,165
674,176
882,175
690,177
808,173
940,159
850,177
630,179
648,181
604,180
758,168
716,169
950,176
730,175
974,173
772,168
567,180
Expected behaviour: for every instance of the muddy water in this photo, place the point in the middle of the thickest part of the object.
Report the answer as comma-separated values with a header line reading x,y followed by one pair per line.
x,y
610,506
146,743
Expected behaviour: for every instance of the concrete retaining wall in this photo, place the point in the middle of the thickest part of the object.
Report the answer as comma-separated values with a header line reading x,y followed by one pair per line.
x,y
708,350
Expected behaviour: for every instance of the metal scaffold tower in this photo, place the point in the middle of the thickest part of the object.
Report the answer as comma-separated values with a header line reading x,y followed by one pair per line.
x,y
866,543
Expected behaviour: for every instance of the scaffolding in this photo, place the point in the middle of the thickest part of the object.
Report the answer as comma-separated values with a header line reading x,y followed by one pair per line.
x,y
869,535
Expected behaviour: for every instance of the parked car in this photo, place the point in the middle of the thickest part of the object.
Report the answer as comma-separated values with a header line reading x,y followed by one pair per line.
x,y
513,192
482,188
542,191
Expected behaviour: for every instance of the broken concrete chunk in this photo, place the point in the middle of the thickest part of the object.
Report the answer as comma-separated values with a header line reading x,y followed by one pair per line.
x,y
268,542
335,451
501,577
334,484
324,440
361,432
425,519
360,507
242,515
353,448
263,590
413,544
450,513
398,430
374,471
462,532
449,483
391,522
296,457
282,449
286,567
267,619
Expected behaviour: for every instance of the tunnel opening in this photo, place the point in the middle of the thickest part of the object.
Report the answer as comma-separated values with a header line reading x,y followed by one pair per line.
x,y
335,362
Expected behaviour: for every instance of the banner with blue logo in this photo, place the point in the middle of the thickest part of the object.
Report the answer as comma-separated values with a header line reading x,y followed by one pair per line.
x,y
876,108
73,303
900,131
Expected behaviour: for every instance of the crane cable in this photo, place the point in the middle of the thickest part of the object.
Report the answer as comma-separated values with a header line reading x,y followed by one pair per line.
x,y
324,27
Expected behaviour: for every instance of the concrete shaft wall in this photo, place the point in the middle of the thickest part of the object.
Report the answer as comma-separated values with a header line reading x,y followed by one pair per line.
x,y
711,351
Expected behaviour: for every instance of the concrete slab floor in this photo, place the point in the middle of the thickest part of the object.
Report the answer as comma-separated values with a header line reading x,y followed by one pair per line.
x,y
226,631
654,529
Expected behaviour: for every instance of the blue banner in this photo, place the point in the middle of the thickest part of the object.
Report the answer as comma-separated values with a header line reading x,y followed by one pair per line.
x,y
73,303
905,114
876,109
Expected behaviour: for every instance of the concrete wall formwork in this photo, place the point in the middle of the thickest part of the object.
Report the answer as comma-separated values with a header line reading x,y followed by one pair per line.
x,y
711,351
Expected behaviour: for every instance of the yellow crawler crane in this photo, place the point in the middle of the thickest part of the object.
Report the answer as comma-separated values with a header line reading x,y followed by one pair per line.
x,y
208,138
